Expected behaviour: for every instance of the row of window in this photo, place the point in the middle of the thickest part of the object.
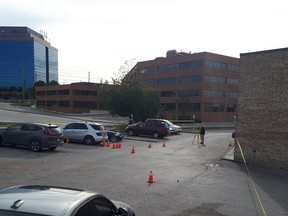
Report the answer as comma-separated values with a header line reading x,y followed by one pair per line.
x,y
198,92
67,92
192,79
189,65
195,107
66,104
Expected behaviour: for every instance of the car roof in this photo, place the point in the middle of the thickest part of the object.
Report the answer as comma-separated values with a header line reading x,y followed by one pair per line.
x,y
86,122
39,124
42,199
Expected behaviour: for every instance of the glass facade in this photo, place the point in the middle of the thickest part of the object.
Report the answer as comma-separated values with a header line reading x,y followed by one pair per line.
x,y
53,65
16,64
25,58
40,62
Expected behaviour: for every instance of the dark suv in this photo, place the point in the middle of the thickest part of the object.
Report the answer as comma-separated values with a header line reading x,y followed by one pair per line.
x,y
156,129
36,136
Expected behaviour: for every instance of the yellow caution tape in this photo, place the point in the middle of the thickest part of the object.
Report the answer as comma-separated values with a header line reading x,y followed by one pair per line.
x,y
250,177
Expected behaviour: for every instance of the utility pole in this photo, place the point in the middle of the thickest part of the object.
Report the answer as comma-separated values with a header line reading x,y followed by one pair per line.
x,y
88,76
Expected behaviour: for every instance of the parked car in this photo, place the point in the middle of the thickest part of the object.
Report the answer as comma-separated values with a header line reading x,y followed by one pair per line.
x,y
114,136
173,129
155,129
49,200
36,136
87,132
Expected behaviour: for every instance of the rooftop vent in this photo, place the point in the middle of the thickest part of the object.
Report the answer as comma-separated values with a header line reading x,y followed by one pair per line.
x,y
171,53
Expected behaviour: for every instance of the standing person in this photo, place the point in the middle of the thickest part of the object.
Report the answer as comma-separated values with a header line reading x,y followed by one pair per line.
x,y
202,134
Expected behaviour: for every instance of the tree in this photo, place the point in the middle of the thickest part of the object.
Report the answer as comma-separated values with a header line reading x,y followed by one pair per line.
x,y
130,95
53,82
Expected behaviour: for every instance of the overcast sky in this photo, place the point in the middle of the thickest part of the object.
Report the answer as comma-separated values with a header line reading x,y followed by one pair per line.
x,y
98,36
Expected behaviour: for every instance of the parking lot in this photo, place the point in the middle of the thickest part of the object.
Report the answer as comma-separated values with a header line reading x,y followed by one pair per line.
x,y
188,180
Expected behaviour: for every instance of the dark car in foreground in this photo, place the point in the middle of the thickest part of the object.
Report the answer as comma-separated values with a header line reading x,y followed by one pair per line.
x,y
58,201
154,129
35,136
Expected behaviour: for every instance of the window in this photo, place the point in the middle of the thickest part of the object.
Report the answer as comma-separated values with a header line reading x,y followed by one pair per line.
x,y
210,107
194,107
217,65
191,64
52,92
231,107
212,93
148,70
168,106
51,103
64,92
170,80
63,103
85,92
231,94
167,93
189,93
190,79
150,82
41,93
215,79
232,81
234,68
167,68
85,104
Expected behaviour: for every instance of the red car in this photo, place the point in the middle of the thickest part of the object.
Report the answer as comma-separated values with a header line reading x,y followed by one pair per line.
x,y
157,129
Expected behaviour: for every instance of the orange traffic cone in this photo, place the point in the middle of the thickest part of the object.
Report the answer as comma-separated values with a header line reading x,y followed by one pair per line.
x,y
67,140
164,145
107,143
113,146
120,145
150,178
150,146
133,150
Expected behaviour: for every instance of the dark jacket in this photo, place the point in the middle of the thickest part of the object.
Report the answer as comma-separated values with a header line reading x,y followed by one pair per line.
x,y
202,130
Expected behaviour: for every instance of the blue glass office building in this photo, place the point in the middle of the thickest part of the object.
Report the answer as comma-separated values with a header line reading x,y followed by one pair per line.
x,y
25,58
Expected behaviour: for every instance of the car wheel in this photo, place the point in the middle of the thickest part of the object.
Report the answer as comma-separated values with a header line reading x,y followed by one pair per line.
x,y
130,132
89,140
35,146
156,135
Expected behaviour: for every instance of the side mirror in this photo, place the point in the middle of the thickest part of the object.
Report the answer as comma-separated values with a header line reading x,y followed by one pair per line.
x,y
122,211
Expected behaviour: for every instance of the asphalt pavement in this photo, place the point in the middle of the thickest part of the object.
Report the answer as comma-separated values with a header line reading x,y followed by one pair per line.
x,y
185,175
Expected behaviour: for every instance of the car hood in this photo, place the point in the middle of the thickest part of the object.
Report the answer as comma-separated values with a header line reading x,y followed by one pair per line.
x,y
119,204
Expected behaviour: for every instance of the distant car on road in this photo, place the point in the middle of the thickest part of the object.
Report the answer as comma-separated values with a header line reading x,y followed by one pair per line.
x,y
36,136
173,129
155,129
114,136
58,201
87,132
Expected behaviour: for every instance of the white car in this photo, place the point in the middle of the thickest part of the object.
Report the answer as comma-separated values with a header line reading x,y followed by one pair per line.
x,y
87,132
36,200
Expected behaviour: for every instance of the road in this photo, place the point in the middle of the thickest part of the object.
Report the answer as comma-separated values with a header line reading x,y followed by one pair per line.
x,y
188,180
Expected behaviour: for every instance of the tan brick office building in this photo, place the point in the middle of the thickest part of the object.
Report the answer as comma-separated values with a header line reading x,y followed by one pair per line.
x,y
73,98
202,85
262,115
